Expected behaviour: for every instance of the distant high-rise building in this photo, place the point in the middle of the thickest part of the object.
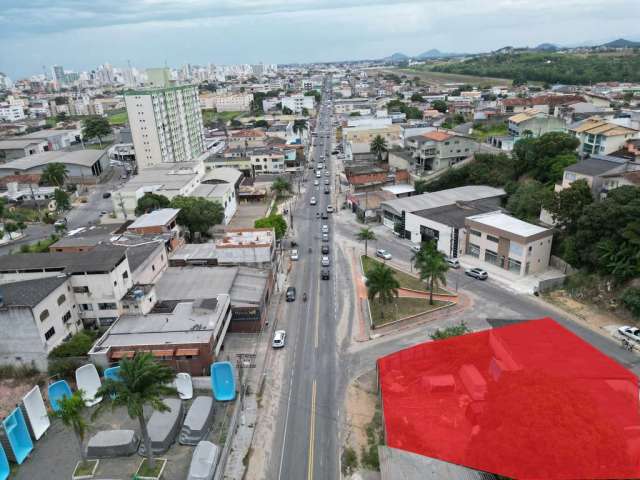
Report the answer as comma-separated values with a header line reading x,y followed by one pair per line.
x,y
258,70
58,74
166,124
158,77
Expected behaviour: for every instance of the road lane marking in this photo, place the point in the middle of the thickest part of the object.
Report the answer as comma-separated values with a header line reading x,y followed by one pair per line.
x,y
317,319
312,431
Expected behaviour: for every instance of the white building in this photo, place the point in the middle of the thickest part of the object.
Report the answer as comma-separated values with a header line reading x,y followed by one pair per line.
x,y
227,102
11,113
166,125
298,102
246,246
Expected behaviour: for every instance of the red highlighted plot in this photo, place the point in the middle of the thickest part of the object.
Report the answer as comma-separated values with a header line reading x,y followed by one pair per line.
x,y
530,401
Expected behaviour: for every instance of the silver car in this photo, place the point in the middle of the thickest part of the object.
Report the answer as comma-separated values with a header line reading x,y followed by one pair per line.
x,y
325,261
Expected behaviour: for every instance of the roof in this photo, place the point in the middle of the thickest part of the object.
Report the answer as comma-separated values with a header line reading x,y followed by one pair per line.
x,y
83,158
29,293
87,236
527,401
455,214
543,100
508,223
443,197
215,191
598,126
19,142
437,136
137,254
160,217
222,174
399,189
526,115
593,166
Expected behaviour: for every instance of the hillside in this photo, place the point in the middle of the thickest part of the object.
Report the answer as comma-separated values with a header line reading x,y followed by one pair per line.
x,y
550,67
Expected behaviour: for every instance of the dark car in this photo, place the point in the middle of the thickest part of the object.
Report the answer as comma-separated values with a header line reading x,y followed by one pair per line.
x,y
325,249
106,195
324,274
291,294
327,191
324,215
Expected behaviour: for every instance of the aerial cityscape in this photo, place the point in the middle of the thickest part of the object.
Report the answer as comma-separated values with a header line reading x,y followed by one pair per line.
x,y
319,240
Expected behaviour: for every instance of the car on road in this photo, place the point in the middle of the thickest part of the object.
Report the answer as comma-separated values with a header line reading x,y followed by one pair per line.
x,y
329,208
324,274
312,201
327,191
452,262
335,152
316,182
325,237
291,294
278,339
383,254
294,255
477,273
326,173
106,194
325,261
630,332
325,249
320,166
414,248
318,175
326,181
325,228
324,216
103,212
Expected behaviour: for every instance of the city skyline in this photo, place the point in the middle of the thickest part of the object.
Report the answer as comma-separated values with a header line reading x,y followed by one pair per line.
x,y
81,37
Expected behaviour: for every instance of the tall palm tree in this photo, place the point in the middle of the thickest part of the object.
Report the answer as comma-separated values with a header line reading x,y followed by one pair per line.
x,y
299,125
382,283
378,146
432,267
142,381
55,174
70,413
365,234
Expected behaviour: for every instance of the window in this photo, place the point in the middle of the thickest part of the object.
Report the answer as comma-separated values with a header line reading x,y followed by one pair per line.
x,y
86,307
107,306
61,299
491,257
491,238
125,275
473,250
569,176
474,232
66,317
80,289
153,268
515,265
49,333
516,249
106,321
44,315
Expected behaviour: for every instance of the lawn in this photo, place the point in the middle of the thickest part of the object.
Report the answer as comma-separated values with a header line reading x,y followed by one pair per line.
x,y
119,118
209,115
441,78
97,146
400,308
406,280
496,130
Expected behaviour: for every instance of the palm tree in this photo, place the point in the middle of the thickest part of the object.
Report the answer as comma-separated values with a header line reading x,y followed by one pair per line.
x,y
70,413
382,283
55,174
378,146
280,186
366,234
299,125
142,381
432,267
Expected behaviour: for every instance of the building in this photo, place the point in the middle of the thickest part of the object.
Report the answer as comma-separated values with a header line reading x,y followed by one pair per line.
x,y
245,139
358,139
437,150
507,242
161,221
166,125
227,102
223,193
267,160
486,400
543,103
598,136
533,123
296,103
35,317
19,147
11,113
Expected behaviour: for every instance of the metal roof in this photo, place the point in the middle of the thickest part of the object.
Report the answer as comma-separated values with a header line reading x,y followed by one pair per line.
x,y
100,259
441,198
84,158
29,293
160,217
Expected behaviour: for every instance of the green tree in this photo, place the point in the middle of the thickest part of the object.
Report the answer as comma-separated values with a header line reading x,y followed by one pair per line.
x,y
142,382
382,283
299,125
567,206
70,413
280,186
150,202
439,105
61,117
536,156
54,174
261,124
432,267
95,127
235,123
315,94
287,111
10,227
366,235
448,332
275,221
21,226
378,146
420,186
62,200
528,199
197,214
416,97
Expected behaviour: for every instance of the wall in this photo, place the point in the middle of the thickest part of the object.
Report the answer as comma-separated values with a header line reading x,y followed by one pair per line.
x,y
540,254
20,340
413,223
149,271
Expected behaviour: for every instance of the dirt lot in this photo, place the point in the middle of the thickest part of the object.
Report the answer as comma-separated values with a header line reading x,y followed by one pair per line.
x,y
593,317
11,393
247,213
359,409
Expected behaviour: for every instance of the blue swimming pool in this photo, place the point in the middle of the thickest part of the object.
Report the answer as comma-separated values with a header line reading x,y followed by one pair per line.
x,y
18,435
223,382
4,465
112,372
56,392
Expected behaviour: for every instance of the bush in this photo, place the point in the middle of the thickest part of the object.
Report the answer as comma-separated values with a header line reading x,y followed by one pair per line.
x,y
631,300
78,346
22,370
449,332
370,458
349,461
64,367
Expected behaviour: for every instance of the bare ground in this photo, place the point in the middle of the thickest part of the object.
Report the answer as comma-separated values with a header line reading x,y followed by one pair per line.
x,y
590,315
12,391
360,405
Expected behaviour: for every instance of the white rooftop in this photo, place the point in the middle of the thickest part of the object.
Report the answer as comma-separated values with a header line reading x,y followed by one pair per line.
x,y
442,198
156,218
85,158
508,223
399,189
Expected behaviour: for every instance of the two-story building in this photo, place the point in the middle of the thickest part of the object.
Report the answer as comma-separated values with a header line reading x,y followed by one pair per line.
x,y
598,136
533,123
438,150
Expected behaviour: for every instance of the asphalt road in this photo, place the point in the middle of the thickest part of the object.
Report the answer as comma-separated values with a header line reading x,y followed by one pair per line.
x,y
306,442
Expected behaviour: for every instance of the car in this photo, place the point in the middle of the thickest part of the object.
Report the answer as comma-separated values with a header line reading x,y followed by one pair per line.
x,y
325,249
327,191
291,294
60,223
294,255
326,173
325,261
278,339
383,254
329,208
477,273
415,248
324,216
335,152
320,166
316,182
325,228
103,212
106,194
452,262
311,167
630,332
324,274
326,181
313,201
325,237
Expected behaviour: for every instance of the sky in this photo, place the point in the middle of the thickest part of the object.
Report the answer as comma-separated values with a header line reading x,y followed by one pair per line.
x,y
81,34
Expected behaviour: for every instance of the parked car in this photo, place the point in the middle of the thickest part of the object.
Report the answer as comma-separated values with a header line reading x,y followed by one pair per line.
x,y
316,182
318,174
452,262
327,190
326,173
477,273
327,181
630,332
312,201
383,254
278,339
325,249
106,194
415,248
291,294
325,261
324,274
294,255
330,208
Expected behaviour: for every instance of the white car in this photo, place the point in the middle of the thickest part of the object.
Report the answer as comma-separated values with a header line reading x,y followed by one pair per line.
x,y
325,261
316,182
312,201
318,175
329,208
294,255
279,338
326,173
630,332
325,228
383,254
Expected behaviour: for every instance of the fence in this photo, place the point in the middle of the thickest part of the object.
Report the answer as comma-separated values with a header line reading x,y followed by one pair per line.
x,y
559,264
231,431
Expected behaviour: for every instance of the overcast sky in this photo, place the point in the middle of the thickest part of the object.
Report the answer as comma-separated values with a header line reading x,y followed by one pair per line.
x,y
80,34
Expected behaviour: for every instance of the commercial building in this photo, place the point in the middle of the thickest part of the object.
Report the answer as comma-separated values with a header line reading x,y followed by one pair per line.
x,y
166,125
227,102
18,147
161,221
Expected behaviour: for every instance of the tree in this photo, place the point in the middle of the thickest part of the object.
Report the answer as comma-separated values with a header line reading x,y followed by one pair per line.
x,y
526,202
235,122
61,117
62,200
439,105
305,112
70,409
280,186
197,214
416,97
21,226
275,221
142,382
365,235
10,227
95,127
537,156
382,283
299,125
150,202
54,174
287,111
378,146
315,94
567,206
261,124
432,267
449,332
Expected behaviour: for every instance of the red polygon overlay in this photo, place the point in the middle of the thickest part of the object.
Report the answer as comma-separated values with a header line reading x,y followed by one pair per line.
x,y
530,401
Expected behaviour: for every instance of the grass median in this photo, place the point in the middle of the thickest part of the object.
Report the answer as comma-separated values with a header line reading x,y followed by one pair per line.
x,y
402,307
406,280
